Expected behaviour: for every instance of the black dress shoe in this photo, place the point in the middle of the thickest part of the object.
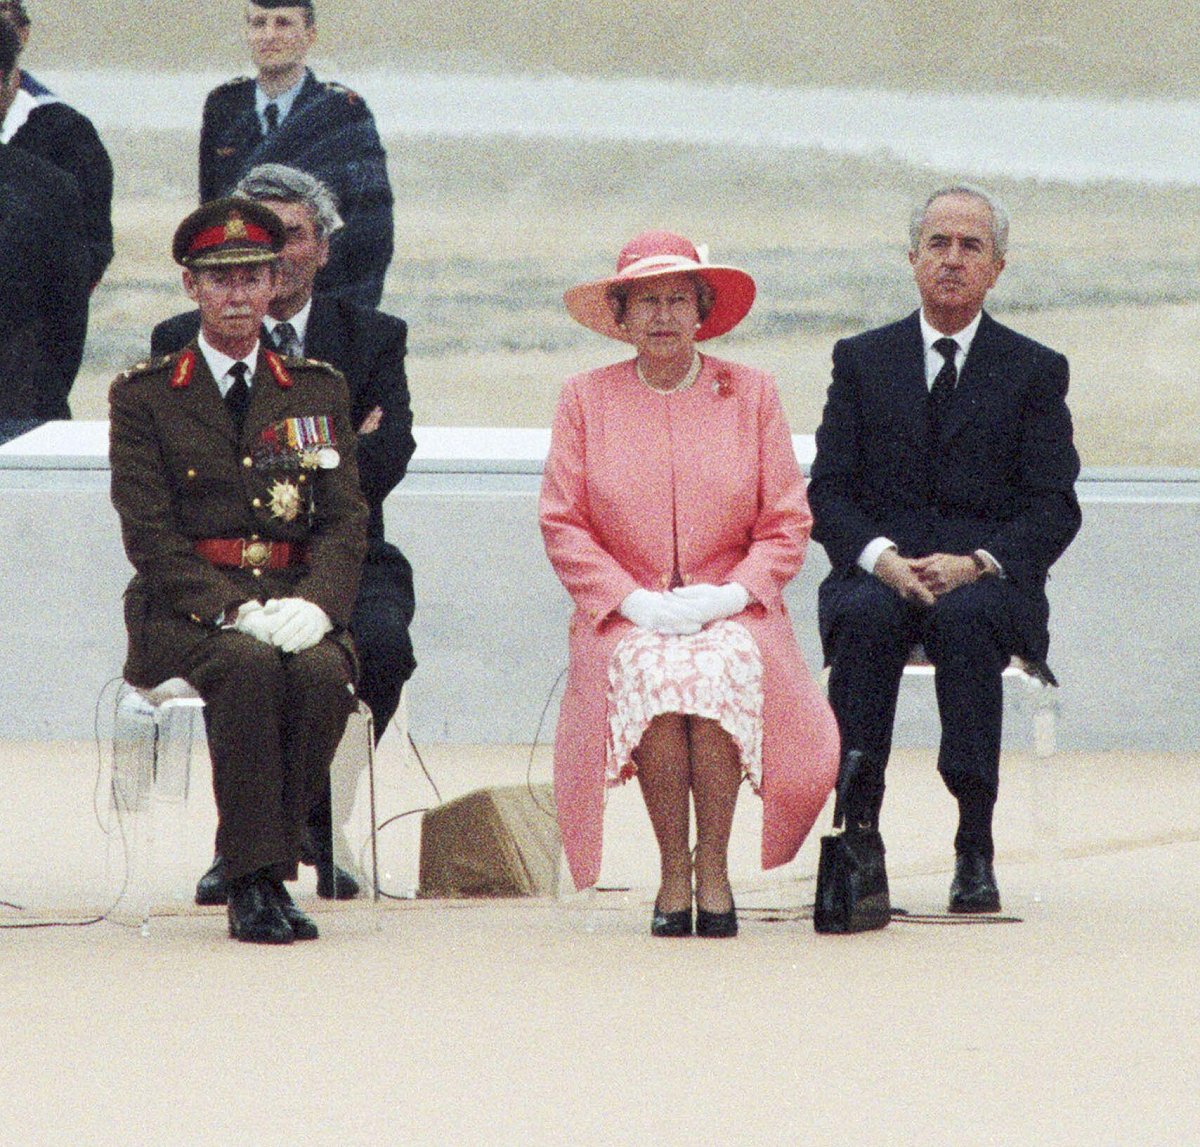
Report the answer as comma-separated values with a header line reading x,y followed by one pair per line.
x,y
213,887
303,926
974,887
254,913
717,925
333,883
671,924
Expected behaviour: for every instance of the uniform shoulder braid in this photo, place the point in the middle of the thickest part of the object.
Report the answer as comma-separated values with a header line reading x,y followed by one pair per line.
x,y
336,89
147,367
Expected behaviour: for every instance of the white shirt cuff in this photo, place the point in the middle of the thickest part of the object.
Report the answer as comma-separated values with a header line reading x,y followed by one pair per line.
x,y
871,552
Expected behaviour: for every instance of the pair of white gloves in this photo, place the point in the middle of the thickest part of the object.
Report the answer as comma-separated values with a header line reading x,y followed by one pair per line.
x,y
686,609
291,624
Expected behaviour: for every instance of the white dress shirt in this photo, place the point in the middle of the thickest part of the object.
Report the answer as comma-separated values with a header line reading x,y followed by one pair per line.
x,y
219,363
933,363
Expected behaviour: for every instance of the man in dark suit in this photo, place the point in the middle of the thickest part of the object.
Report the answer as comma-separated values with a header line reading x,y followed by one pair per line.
x,y
234,476
40,123
368,347
942,490
285,115
43,283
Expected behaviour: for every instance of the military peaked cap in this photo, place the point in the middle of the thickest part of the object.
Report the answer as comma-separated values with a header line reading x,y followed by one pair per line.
x,y
227,232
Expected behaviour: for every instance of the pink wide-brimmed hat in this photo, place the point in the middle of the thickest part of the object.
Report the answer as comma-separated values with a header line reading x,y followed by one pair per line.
x,y
654,253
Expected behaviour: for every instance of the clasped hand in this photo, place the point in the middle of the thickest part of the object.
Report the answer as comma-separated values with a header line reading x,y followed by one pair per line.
x,y
924,580
686,609
291,624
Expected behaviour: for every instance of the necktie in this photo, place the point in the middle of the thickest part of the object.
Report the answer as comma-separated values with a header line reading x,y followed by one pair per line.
x,y
237,397
271,112
286,340
943,385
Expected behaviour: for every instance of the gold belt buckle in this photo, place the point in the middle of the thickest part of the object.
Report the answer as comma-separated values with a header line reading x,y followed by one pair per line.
x,y
256,554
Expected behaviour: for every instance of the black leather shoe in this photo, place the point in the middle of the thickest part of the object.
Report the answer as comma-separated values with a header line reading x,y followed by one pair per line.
x,y
974,887
254,913
213,887
717,925
303,926
333,883
671,924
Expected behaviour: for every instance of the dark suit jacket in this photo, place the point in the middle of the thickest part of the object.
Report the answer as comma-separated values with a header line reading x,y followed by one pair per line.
x,y
368,347
181,473
43,287
330,133
1001,478
64,137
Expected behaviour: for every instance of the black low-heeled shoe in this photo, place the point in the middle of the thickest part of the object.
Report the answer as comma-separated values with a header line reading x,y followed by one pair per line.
x,y
717,925
671,923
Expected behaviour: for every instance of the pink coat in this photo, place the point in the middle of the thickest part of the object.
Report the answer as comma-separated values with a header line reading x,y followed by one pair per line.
x,y
630,470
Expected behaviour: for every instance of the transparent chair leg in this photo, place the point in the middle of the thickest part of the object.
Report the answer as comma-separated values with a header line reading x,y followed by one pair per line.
x,y
353,844
1043,780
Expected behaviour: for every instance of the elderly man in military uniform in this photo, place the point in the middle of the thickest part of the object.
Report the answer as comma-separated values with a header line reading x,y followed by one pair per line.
x,y
368,347
286,115
235,479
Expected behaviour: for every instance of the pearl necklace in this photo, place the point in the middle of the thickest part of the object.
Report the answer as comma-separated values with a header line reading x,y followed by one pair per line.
x,y
693,373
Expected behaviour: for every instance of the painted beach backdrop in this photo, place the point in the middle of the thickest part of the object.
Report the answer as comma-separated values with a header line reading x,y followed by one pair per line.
x,y
528,141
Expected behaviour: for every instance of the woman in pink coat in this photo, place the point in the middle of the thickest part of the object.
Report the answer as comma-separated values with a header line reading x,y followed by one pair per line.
x,y
674,512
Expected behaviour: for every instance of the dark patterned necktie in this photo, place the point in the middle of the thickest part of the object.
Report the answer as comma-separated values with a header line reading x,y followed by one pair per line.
x,y
943,385
285,338
237,397
271,112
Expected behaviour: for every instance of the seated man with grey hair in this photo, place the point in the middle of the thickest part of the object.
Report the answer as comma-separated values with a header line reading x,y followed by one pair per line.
x,y
368,347
943,489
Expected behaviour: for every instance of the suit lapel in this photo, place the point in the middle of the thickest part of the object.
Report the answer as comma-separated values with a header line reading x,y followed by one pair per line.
x,y
979,373
910,392
203,398
268,400
322,339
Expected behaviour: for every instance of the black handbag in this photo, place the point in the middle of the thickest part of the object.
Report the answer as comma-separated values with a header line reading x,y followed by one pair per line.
x,y
852,887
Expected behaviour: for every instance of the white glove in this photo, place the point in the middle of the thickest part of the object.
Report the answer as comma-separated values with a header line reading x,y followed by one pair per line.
x,y
657,611
708,603
250,620
296,624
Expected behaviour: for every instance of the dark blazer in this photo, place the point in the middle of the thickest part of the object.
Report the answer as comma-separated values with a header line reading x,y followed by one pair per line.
x,y
181,473
60,135
368,347
1001,478
330,133
43,287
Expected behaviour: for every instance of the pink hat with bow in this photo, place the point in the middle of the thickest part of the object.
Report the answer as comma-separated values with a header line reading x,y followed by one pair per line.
x,y
656,253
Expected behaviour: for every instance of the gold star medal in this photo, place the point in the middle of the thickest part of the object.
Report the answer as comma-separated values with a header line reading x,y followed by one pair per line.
x,y
285,501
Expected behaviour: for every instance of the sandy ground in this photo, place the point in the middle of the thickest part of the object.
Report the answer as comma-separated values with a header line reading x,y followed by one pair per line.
x,y
561,1020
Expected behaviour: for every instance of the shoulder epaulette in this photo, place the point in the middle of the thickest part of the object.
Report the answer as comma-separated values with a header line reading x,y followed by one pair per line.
x,y
149,366
335,88
237,81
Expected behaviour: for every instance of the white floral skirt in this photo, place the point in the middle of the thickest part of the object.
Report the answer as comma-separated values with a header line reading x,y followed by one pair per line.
x,y
716,673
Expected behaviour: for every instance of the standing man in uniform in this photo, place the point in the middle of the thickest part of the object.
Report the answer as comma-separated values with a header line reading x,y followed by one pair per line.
x,y
368,347
235,479
943,490
40,123
43,283
285,115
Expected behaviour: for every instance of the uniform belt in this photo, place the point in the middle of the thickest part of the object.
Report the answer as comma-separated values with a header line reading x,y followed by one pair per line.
x,y
251,553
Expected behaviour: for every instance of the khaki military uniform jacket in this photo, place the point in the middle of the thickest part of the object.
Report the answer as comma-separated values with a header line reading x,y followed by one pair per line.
x,y
180,473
